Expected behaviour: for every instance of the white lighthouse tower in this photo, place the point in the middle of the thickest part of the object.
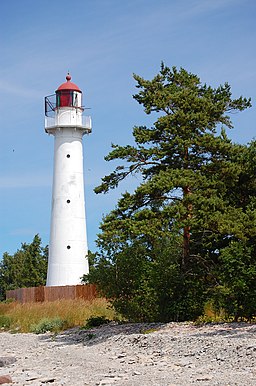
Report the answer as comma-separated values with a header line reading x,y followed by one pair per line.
x,y
68,248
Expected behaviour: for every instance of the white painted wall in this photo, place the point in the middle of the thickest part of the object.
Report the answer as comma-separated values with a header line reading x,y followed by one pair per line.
x,y
66,266
68,116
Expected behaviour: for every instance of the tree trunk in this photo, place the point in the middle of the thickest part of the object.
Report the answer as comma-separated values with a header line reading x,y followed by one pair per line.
x,y
186,229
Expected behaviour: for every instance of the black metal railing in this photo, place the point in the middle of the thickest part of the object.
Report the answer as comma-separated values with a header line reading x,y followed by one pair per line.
x,y
49,105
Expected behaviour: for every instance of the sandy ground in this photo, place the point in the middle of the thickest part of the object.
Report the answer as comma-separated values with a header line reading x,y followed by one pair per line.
x,y
134,355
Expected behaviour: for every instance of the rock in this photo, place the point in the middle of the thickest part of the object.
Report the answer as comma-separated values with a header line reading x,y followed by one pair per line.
x,y
106,382
136,373
6,361
122,355
204,378
5,379
31,379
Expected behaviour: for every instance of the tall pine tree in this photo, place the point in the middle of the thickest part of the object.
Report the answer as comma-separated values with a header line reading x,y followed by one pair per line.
x,y
189,169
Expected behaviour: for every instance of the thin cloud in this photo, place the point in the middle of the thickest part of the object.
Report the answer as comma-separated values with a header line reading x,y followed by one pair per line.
x,y
199,7
25,181
14,89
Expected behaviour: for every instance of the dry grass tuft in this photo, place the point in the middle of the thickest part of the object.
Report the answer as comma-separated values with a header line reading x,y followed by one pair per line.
x,y
73,312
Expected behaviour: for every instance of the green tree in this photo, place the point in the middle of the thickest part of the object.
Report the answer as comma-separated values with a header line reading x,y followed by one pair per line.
x,y
145,283
190,171
27,267
235,292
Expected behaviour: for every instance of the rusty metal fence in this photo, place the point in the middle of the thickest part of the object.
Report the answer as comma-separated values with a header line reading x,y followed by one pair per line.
x,y
44,294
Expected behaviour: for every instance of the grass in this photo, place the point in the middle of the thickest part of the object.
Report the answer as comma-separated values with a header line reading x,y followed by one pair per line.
x,y
149,331
212,316
52,316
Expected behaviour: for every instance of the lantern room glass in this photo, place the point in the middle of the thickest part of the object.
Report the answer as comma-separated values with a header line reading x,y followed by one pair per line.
x,y
67,98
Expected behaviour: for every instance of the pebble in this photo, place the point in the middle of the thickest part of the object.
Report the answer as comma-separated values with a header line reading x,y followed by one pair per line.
x,y
5,379
6,361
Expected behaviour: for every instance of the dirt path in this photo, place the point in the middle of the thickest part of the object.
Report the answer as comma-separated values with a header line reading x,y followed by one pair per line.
x,y
172,355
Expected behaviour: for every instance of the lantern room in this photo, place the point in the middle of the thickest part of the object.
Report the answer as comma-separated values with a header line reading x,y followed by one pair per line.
x,y
68,94
64,109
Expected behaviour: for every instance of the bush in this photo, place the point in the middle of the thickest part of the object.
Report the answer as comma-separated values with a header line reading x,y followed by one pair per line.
x,y
154,288
49,325
5,322
236,293
95,321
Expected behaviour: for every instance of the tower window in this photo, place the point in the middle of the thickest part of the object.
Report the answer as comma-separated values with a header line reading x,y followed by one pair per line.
x,y
68,246
68,155
68,201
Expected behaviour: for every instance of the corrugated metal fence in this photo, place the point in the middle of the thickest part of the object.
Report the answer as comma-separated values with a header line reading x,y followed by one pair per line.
x,y
43,294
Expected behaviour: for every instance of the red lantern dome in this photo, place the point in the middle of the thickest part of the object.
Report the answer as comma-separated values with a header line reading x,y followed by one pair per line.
x,y
68,85
68,94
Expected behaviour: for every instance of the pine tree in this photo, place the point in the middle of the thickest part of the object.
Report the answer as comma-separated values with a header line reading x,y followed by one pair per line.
x,y
189,167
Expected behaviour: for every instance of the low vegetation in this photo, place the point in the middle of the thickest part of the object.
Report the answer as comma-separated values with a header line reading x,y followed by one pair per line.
x,y
53,316
95,321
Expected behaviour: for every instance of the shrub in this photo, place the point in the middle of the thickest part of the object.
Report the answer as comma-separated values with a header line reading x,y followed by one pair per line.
x,y
5,321
236,293
154,288
95,321
49,325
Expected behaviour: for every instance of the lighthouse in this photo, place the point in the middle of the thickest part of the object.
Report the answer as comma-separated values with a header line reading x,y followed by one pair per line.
x,y
68,250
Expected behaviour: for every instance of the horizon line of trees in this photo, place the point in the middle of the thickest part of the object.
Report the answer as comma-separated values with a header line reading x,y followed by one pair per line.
x,y
27,267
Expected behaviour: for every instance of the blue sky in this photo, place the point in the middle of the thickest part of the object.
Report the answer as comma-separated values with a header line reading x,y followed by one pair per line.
x,y
102,43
